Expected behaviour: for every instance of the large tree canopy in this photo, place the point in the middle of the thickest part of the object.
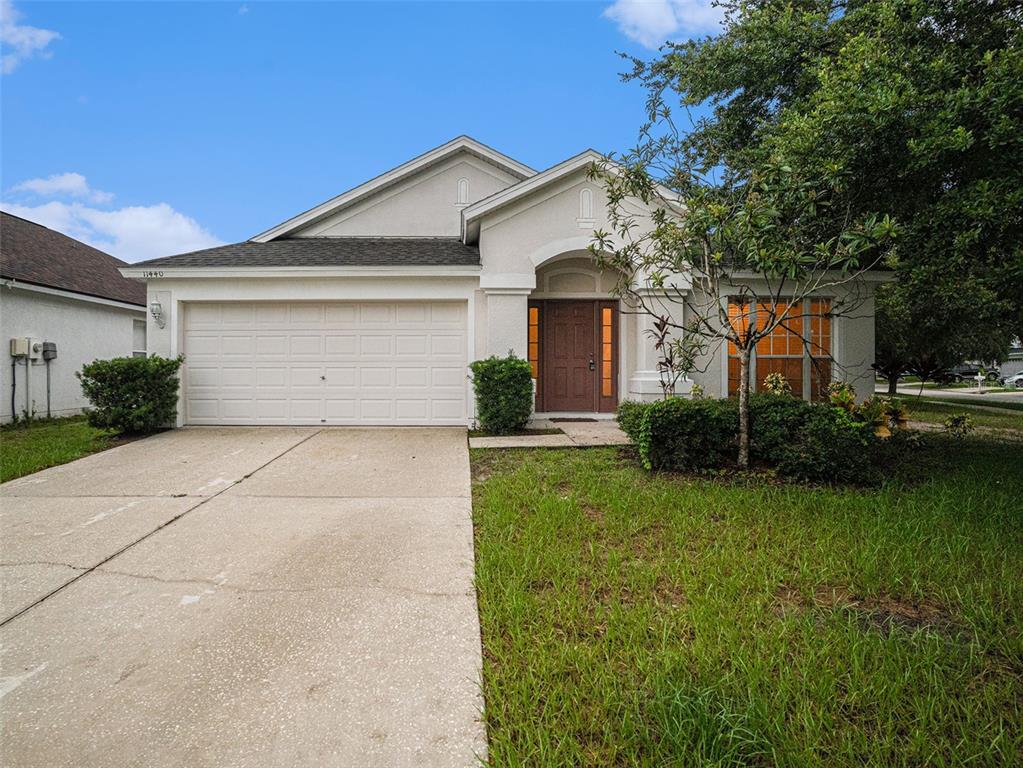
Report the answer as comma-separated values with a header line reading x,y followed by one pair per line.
x,y
917,105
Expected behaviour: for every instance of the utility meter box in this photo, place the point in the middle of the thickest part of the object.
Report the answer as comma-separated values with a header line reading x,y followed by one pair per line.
x,y
35,349
19,347
49,350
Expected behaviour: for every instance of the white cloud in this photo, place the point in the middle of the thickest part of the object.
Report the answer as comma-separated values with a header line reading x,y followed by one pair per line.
x,y
64,184
653,22
132,233
19,41
243,9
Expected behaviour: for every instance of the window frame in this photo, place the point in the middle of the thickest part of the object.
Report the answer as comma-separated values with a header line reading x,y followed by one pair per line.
x,y
807,357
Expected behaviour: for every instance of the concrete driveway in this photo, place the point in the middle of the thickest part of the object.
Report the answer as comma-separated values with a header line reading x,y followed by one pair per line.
x,y
229,597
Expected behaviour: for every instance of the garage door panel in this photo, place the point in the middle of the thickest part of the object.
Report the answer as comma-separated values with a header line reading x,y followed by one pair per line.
x,y
305,315
341,346
270,314
376,345
312,363
412,377
267,377
375,314
306,346
271,346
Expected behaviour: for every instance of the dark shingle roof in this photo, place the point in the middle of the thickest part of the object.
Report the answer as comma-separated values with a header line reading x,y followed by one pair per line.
x,y
330,252
31,253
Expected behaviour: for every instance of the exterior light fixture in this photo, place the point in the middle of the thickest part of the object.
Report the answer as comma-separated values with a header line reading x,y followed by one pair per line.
x,y
156,310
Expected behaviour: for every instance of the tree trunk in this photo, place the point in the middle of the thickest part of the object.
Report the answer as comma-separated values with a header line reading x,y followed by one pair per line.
x,y
744,359
893,385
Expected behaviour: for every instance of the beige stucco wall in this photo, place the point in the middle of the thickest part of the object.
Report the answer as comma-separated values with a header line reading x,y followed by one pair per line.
x,y
83,331
426,205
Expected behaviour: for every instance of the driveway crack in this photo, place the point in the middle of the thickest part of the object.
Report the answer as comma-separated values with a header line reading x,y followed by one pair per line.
x,y
159,528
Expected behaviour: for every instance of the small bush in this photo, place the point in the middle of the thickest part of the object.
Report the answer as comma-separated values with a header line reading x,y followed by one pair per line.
x,y
831,446
776,384
959,425
687,434
630,417
775,420
131,395
504,393
842,395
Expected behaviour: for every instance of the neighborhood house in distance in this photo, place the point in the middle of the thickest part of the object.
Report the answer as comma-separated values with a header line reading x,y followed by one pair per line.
x,y
62,304
368,308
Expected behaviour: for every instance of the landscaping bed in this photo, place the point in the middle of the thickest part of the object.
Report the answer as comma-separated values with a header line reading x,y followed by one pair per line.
x,y
637,618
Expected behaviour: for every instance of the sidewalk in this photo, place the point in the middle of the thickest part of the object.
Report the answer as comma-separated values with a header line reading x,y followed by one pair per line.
x,y
576,434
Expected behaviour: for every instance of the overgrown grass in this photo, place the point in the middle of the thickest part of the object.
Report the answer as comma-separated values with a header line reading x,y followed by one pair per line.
x,y
933,412
29,447
637,619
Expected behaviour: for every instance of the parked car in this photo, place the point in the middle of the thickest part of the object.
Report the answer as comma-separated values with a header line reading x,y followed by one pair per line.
x,y
1013,381
967,372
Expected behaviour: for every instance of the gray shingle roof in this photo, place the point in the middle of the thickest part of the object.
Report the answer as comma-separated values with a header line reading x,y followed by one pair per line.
x,y
32,253
330,252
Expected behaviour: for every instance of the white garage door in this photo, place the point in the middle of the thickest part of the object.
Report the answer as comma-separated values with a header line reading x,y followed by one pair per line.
x,y
325,363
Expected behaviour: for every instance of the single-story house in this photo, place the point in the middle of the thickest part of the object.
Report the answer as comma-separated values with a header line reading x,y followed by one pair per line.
x,y
368,308
62,304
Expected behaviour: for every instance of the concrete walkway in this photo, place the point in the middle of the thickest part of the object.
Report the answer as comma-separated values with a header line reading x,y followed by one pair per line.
x,y
243,597
576,434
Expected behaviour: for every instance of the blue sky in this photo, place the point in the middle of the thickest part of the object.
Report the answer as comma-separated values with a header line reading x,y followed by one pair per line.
x,y
154,128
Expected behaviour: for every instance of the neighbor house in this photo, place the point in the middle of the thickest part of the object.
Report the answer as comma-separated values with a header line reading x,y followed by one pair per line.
x,y
367,308
62,304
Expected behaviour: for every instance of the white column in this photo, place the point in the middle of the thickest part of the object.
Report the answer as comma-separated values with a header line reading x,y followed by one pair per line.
x,y
645,382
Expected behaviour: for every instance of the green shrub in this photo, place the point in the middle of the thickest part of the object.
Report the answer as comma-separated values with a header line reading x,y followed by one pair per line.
x,y
504,393
687,434
830,446
958,425
132,395
775,420
630,417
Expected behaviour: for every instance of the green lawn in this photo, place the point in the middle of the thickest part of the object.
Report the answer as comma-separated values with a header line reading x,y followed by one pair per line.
x,y
656,620
1009,415
28,448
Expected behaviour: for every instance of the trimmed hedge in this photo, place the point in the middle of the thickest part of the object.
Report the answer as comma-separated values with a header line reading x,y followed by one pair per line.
x,y
687,434
131,395
775,420
504,393
630,418
830,446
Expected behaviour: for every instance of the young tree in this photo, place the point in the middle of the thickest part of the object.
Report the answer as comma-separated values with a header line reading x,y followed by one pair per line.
x,y
738,260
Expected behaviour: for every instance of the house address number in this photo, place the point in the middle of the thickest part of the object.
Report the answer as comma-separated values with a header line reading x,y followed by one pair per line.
x,y
152,273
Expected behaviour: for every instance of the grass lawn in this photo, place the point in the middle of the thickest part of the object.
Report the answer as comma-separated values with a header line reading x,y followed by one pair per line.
x,y
28,448
935,412
638,619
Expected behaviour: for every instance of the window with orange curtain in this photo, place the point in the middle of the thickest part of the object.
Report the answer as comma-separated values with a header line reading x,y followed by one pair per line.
x,y
606,352
798,348
534,341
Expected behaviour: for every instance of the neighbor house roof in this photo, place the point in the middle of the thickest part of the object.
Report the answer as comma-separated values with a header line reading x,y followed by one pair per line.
x,y
32,253
395,175
329,252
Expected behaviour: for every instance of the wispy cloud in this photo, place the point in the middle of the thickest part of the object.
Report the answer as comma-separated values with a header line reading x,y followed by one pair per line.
x,y
651,23
63,185
20,41
243,9
131,233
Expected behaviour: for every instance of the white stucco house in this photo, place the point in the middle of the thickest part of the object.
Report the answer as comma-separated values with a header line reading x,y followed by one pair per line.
x,y
367,308
57,290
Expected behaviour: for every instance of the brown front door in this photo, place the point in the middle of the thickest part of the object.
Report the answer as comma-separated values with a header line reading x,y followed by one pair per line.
x,y
573,356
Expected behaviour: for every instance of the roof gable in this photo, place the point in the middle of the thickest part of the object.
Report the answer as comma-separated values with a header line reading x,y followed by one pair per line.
x,y
32,253
462,144
472,214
